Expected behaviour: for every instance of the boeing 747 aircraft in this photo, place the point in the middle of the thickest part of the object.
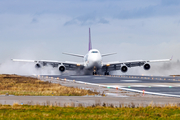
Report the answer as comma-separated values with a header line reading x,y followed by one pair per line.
x,y
93,62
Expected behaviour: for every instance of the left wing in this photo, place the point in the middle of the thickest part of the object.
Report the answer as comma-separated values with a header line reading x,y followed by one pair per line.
x,y
68,65
110,66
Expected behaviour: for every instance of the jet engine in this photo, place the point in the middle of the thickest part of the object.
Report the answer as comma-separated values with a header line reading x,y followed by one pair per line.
x,y
62,68
124,68
37,65
147,66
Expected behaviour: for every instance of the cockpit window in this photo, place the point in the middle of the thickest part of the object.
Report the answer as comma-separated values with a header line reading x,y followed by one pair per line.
x,y
94,52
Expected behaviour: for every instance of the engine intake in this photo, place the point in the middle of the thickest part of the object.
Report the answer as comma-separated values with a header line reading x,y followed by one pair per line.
x,y
124,68
37,65
147,66
62,68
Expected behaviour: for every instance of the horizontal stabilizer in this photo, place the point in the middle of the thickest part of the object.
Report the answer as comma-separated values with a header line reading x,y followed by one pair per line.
x,y
103,55
77,55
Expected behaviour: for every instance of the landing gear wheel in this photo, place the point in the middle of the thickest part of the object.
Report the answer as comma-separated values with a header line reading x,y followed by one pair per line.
x,y
106,73
94,73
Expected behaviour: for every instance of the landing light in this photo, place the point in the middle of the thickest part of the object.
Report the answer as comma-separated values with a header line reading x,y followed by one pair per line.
x,y
107,64
78,65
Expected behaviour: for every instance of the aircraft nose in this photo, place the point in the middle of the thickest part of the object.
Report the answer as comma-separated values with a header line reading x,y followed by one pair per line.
x,y
95,61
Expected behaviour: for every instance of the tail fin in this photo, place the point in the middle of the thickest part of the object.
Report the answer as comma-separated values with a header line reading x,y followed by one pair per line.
x,y
90,45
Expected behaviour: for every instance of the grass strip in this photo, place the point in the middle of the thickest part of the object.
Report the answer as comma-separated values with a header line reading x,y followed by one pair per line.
x,y
51,112
28,86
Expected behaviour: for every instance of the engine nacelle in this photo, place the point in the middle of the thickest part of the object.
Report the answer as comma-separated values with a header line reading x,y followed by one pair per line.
x,y
124,68
37,65
62,68
147,66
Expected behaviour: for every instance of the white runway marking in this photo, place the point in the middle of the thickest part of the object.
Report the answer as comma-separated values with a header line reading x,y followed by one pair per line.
x,y
139,86
79,76
161,85
131,80
115,86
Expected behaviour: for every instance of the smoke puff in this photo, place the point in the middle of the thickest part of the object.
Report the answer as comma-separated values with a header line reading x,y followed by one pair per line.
x,y
22,68
158,69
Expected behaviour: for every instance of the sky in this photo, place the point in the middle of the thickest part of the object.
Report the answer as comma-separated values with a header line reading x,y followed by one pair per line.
x,y
135,29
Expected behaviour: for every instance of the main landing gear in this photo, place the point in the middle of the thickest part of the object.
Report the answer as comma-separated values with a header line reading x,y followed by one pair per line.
x,y
106,73
94,73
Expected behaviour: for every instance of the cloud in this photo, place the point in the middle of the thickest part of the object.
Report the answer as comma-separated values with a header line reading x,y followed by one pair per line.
x,y
62,26
87,19
103,21
150,11
170,2
81,13
34,20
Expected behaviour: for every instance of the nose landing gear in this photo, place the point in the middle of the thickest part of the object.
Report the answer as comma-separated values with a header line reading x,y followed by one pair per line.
x,y
94,70
94,73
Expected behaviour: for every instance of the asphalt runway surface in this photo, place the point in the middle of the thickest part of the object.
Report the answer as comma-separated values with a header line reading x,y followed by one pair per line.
x,y
155,84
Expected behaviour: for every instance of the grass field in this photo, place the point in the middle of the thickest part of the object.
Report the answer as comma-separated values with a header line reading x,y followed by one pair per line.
x,y
51,112
19,85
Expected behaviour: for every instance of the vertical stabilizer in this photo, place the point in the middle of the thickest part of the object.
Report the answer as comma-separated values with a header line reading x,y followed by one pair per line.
x,y
90,45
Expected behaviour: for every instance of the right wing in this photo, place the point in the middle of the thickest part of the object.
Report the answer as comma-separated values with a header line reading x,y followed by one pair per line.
x,y
69,65
117,65
103,55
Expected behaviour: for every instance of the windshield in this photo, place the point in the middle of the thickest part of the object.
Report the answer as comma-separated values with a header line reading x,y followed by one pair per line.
x,y
94,52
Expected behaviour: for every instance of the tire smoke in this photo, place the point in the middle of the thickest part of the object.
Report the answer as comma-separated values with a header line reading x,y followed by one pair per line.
x,y
165,69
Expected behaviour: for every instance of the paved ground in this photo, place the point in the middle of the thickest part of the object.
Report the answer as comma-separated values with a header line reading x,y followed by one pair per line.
x,y
87,101
156,84
118,90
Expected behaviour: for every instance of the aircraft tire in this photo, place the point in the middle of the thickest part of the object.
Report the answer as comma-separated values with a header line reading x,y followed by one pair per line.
x,y
106,73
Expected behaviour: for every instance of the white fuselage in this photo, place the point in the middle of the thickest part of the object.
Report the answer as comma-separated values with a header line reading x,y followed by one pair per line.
x,y
93,60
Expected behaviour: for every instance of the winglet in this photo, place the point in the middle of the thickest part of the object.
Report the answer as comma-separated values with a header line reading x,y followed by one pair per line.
x,y
90,45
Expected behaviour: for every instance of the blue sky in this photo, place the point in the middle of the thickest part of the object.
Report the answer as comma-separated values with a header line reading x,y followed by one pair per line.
x,y
135,29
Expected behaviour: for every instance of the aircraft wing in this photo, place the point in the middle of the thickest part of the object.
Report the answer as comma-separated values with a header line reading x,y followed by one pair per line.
x,y
117,65
69,65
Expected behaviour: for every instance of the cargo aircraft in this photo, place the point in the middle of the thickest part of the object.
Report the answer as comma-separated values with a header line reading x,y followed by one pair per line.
x,y
93,62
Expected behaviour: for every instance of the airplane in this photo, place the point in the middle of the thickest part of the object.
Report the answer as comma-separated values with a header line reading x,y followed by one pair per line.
x,y
93,62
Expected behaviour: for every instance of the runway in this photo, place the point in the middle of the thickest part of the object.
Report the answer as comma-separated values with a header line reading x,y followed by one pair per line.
x,y
123,89
157,85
